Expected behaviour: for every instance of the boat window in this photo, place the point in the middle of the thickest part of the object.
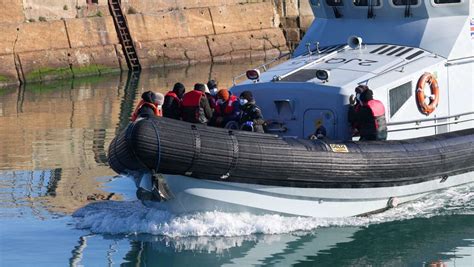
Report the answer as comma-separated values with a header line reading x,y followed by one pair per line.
x,y
334,2
405,2
398,96
440,2
366,2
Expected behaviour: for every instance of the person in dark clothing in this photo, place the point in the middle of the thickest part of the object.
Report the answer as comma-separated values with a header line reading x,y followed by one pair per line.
x,y
210,98
195,107
172,104
251,118
213,89
147,107
367,115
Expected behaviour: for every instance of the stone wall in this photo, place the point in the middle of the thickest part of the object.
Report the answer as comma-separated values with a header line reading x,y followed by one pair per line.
x,y
50,39
296,18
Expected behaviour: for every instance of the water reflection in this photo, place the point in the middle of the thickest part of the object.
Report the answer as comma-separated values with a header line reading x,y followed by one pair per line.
x,y
416,242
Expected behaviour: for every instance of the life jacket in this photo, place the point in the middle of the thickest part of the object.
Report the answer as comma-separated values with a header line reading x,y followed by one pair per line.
x,y
191,107
174,96
229,107
378,111
142,103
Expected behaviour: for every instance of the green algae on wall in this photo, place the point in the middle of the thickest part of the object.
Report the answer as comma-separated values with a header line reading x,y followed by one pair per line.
x,y
92,70
47,73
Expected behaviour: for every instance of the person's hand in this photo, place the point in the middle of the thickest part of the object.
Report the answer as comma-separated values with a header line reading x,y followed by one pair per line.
x,y
352,100
313,137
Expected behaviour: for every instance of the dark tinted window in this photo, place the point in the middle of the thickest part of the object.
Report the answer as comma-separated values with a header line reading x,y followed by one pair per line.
x,y
405,2
366,2
398,96
334,2
447,1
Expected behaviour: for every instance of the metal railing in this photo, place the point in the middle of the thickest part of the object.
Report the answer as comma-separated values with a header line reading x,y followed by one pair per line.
x,y
417,123
264,66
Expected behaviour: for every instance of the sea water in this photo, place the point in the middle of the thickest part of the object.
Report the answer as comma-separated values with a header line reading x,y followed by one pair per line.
x,y
60,204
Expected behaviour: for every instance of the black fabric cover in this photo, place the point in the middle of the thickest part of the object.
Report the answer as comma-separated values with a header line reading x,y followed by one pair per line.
x,y
175,147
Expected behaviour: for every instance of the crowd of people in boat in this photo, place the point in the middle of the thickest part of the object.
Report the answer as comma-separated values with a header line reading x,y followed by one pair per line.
x,y
205,104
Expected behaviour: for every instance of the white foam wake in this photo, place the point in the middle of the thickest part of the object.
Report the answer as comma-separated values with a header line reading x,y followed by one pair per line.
x,y
131,217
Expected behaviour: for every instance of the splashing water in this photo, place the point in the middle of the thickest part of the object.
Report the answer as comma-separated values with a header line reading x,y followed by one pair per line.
x,y
131,217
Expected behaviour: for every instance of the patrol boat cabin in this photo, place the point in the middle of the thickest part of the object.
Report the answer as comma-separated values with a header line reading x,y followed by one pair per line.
x,y
416,55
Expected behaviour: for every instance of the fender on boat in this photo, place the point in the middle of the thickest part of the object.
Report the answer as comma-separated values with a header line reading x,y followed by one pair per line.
x,y
174,147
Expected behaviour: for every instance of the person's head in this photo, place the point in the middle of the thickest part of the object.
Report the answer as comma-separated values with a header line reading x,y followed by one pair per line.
x,y
159,99
212,85
246,97
360,89
179,89
199,87
150,97
223,95
367,95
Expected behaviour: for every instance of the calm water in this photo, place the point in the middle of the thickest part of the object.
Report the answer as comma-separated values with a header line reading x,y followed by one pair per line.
x,y
53,146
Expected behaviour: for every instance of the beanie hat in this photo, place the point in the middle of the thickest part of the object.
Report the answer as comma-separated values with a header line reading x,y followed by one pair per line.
x,y
211,84
361,88
223,94
247,95
149,97
179,89
199,87
160,98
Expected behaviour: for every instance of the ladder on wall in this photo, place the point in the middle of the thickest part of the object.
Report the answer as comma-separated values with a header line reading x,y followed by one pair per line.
x,y
125,38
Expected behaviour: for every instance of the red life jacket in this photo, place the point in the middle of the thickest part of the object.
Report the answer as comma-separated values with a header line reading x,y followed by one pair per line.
x,y
142,103
173,95
229,107
191,108
378,111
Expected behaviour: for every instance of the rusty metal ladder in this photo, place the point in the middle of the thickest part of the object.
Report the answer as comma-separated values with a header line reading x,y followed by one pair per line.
x,y
125,38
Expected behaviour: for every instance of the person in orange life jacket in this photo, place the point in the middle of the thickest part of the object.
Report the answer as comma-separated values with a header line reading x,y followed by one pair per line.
x,y
172,103
148,106
251,118
367,115
195,107
227,109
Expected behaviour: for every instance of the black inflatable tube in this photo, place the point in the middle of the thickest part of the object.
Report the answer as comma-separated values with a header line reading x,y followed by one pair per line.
x,y
175,147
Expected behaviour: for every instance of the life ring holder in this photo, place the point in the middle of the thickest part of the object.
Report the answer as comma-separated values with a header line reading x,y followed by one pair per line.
x,y
425,108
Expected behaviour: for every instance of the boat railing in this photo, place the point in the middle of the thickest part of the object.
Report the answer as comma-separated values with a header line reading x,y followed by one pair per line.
x,y
458,118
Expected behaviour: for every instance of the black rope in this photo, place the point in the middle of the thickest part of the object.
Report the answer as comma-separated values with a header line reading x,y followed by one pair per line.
x,y
235,153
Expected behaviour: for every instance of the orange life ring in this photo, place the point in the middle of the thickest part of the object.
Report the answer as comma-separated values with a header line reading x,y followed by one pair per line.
x,y
425,108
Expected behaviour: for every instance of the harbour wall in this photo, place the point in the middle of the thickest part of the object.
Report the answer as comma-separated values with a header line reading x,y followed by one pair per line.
x,y
56,39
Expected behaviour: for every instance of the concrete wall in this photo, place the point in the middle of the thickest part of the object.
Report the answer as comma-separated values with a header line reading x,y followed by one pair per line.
x,y
50,39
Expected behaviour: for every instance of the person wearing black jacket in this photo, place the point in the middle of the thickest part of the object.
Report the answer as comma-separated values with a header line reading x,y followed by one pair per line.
x,y
172,104
367,115
251,118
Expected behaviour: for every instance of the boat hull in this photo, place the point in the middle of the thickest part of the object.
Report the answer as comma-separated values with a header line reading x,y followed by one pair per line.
x,y
198,195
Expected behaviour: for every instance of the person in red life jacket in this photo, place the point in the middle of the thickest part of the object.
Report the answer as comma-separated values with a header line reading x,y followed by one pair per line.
x,y
172,103
227,109
148,106
367,115
195,107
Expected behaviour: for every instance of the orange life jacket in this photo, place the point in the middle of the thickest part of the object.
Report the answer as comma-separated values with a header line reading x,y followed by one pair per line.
x,y
142,103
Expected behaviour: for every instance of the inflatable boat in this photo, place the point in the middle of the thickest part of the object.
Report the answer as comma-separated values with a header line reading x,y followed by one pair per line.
x,y
421,70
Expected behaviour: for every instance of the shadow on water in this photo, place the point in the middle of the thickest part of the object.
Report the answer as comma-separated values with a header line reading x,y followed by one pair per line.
x,y
413,242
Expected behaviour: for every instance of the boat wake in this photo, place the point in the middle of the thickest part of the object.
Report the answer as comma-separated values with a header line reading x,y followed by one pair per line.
x,y
131,217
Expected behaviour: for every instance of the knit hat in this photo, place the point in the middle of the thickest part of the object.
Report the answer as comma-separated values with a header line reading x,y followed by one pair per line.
x,y
361,88
149,97
223,94
160,98
247,95
199,87
179,89
211,84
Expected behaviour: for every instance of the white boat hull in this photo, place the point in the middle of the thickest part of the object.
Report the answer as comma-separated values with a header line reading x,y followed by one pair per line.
x,y
198,195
